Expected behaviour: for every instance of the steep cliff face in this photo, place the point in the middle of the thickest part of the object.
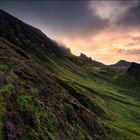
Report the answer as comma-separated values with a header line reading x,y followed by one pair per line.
x,y
134,70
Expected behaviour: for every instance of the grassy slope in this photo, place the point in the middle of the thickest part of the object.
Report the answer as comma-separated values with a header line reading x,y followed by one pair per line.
x,y
33,104
117,98
114,98
52,98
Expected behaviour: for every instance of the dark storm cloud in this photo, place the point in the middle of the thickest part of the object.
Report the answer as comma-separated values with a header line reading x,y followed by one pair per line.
x,y
131,18
68,17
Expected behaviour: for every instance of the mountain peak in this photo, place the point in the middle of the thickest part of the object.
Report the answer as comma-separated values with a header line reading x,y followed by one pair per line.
x,y
122,64
83,56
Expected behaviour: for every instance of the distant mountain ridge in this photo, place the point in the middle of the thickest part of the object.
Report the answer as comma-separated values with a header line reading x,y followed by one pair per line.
x,y
122,64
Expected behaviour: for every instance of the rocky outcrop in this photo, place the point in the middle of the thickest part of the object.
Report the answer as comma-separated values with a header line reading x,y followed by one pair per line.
x,y
134,70
85,59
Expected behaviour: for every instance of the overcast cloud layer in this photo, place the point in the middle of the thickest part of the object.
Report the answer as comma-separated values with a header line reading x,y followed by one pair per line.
x,y
100,29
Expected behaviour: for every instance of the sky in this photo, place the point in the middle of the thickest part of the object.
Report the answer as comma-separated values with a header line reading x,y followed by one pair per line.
x,y
107,31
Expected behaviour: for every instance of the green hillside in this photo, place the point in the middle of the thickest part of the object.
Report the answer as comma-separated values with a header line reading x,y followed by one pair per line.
x,y
48,94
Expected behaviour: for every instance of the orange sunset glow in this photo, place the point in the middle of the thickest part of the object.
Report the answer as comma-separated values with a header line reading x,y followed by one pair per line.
x,y
106,47
107,31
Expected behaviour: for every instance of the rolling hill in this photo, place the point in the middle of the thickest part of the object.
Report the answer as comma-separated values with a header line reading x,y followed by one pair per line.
x,y
122,64
47,93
